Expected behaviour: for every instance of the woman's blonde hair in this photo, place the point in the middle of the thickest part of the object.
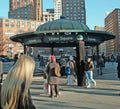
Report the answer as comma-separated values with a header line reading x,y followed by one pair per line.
x,y
20,73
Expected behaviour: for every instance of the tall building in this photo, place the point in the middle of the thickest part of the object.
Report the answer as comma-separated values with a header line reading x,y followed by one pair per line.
x,y
57,9
74,10
25,9
102,46
112,24
70,9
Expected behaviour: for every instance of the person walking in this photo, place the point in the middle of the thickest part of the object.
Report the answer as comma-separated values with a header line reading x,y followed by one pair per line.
x,y
63,65
15,58
1,73
118,66
101,65
1,79
118,70
46,86
71,68
53,70
89,72
15,92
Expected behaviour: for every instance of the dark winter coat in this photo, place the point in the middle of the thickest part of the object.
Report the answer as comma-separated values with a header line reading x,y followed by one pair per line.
x,y
52,77
118,69
101,62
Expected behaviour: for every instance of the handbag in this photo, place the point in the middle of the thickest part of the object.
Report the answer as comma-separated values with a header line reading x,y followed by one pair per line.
x,y
57,71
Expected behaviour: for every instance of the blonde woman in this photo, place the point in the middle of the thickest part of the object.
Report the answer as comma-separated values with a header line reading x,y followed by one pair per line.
x,y
15,90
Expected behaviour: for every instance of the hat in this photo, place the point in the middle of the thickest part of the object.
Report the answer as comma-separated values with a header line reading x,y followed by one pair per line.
x,y
52,58
71,58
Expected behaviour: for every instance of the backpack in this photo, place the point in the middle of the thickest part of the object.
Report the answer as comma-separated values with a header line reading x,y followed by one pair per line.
x,y
70,69
67,70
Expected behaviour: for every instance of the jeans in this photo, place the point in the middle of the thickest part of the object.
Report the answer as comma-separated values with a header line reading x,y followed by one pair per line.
x,y
101,70
89,77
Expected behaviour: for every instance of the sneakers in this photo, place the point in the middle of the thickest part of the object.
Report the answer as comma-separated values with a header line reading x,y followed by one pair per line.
x,y
95,84
88,86
51,96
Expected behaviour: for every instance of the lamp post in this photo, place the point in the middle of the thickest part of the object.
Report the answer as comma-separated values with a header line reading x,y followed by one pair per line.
x,y
80,53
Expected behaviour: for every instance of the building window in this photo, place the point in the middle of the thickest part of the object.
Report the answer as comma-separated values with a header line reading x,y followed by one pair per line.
x,y
6,25
28,24
6,20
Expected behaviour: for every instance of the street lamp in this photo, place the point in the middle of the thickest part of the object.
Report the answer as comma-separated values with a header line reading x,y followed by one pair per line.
x,y
80,37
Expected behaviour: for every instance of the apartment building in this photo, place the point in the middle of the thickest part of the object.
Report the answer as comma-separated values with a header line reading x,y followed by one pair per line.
x,y
57,9
74,10
112,24
25,9
70,9
102,46
48,15
11,27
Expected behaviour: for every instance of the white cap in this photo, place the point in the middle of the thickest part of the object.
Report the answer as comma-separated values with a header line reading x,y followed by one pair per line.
x,y
71,58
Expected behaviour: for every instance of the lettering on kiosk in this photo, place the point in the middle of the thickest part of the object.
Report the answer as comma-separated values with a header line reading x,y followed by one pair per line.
x,y
60,38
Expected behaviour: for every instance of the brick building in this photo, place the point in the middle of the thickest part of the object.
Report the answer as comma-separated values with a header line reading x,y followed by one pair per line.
x,y
112,24
10,27
25,9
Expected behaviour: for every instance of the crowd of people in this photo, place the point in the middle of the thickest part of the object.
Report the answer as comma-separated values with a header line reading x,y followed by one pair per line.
x,y
67,68
15,89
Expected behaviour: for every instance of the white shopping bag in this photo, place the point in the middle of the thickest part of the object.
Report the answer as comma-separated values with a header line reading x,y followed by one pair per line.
x,y
46,87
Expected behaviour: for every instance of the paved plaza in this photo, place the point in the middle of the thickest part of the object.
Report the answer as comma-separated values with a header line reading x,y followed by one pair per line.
x,y
103,96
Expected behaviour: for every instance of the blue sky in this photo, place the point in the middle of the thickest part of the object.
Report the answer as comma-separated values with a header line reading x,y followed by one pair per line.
x,y
95,10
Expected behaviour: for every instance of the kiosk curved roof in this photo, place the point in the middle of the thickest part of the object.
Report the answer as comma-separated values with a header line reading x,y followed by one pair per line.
x,y
62,24
68,29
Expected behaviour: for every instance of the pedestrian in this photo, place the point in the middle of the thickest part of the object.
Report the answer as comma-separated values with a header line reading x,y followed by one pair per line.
x,y
62,65
1,79
15,58
112,59
101,65
1,73
16,87
89,67
118,69
71,71
53,70
46,86
104,58
94,59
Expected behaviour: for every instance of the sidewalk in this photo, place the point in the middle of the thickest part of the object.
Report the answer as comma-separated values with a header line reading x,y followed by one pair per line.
x,y
103,96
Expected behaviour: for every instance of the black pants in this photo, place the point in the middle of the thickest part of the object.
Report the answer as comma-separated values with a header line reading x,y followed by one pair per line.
x,y
118,74
52,87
